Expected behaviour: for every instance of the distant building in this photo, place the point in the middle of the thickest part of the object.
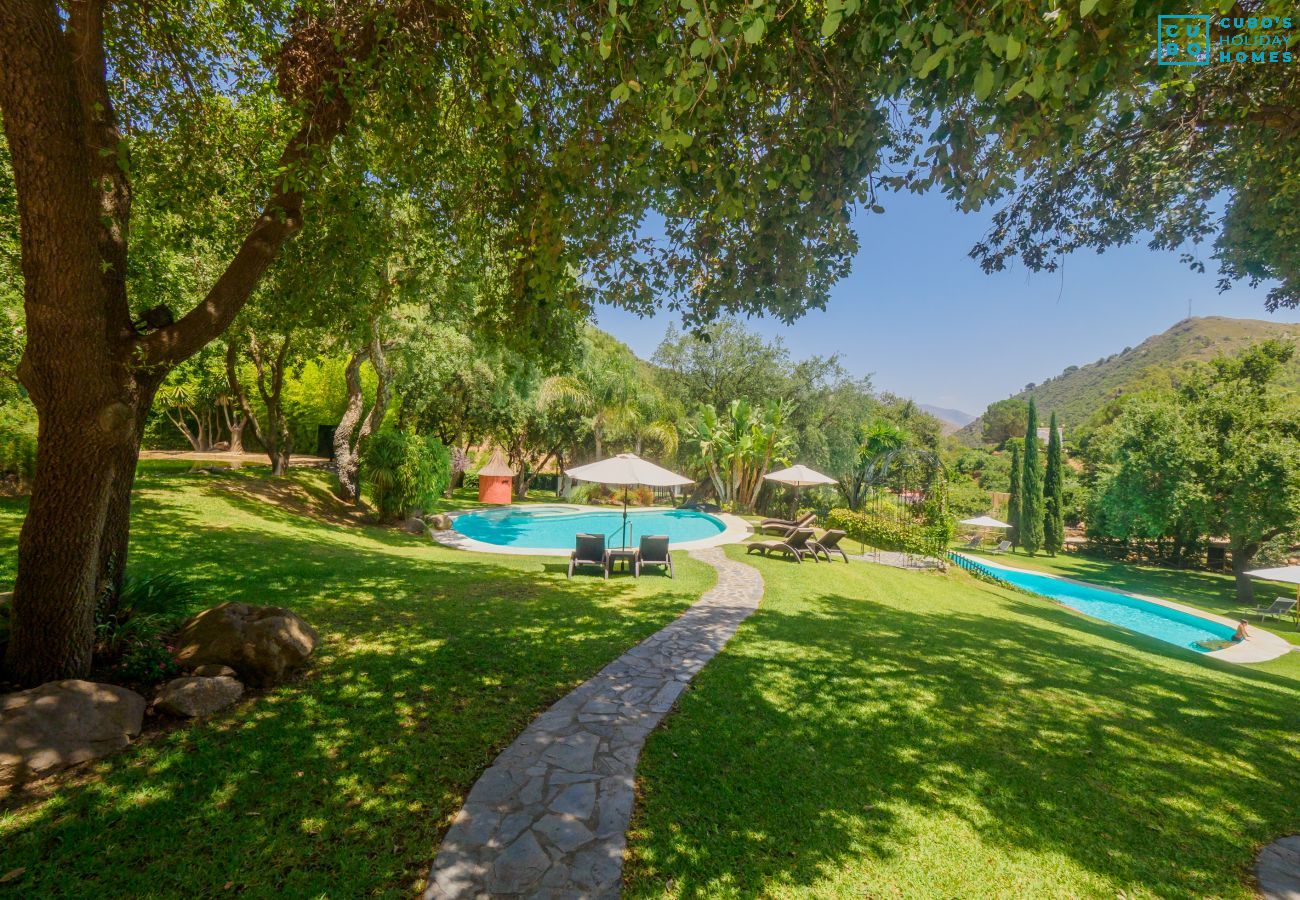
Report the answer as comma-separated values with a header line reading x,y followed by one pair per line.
x,y
1045,434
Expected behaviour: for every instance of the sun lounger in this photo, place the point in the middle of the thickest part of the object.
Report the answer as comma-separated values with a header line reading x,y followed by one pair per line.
x,y
590,551
1282,606
972,543
785,527
827,544
654,552
795,545
1002,547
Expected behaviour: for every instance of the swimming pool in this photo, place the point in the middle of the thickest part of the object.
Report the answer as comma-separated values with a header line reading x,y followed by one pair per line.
x,y
1165,623
554,527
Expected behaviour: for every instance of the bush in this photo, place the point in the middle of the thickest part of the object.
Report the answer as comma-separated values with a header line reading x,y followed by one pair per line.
x,y
148,662
892,534
129,632
641,496
404,472
18,439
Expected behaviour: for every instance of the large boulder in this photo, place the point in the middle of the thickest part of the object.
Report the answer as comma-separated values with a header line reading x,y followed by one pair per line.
x,y
440,522
62,723
261,643
195,695
413,525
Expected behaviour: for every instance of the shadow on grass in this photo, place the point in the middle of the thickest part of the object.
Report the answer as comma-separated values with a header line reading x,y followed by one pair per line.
x,y
342,782
940,751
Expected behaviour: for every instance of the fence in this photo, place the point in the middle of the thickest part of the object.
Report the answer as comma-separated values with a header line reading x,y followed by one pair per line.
x,y
981,571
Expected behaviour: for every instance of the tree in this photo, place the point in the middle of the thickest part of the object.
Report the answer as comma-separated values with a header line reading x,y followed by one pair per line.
x,y
1014,500
1249,459
1004,419
878,440
1031,487
1147,486
737,448
1054,494
752,152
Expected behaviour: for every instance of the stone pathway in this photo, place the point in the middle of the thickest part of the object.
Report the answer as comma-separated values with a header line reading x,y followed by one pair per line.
x,y
1277,869
548,818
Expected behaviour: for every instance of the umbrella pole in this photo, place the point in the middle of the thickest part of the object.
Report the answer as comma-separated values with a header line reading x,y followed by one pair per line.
x,y
625,517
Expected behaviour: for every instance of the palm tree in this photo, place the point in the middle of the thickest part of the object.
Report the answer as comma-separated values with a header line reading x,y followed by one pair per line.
x,y
879,441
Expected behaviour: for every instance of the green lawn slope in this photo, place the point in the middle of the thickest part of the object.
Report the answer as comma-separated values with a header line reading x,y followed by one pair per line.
x,y
872,732
340,783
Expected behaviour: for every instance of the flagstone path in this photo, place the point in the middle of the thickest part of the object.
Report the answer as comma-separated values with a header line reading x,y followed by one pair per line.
x,y
549,816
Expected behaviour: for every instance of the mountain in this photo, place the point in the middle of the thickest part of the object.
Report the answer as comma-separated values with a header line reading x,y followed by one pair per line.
x,y
1080,392
954,418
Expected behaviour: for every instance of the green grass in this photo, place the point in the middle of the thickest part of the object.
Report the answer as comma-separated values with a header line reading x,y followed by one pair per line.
x,y
342,782
1212,591
872,732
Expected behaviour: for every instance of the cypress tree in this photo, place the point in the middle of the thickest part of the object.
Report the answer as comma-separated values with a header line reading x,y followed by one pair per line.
x,y
1013,502
1054,495
1031,488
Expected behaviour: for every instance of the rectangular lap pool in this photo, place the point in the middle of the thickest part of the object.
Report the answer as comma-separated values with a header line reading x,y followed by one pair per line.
x,y
1153,619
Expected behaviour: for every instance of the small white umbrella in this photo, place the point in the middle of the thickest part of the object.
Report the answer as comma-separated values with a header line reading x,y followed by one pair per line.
x,y
1289,574
627,469
984,522
799,477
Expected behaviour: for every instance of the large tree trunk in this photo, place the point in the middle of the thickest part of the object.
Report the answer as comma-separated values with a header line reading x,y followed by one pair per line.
x,y
346,461
348,438
1241,557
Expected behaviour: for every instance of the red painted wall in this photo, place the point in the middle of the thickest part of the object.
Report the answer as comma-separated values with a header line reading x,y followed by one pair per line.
x,y
495,488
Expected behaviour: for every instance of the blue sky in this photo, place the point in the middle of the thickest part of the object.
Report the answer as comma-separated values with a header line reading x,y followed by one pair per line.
x,y
922,320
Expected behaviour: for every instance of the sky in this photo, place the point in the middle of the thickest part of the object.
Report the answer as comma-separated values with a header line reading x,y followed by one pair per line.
x,y
919,316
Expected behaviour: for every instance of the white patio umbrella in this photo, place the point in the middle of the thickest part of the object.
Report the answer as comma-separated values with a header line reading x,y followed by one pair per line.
x,y
799,477
984,522
627,469
1289,574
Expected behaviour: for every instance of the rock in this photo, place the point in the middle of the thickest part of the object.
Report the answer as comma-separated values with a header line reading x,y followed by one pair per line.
x,y
62,723
413,526
440,522
196,695
261,643
212,670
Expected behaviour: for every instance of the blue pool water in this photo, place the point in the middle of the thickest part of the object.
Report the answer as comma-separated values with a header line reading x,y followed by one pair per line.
x,y
541,527
1171,625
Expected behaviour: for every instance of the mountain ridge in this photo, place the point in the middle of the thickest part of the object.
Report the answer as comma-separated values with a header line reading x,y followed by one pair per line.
x,y
1080,392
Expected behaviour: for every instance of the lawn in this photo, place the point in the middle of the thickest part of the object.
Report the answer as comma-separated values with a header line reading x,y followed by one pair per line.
x,y
340,783
872,732
1215,592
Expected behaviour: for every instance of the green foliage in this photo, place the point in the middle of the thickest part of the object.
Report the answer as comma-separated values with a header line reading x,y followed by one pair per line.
x,y
1004,419
1217,457
967,498
404,472
1015,501
1054,493
738,446
1031,487
130,629
898,535
17,439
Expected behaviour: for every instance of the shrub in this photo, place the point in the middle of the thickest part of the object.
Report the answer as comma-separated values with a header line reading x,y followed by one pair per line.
x,y
129,631
17,439
147,662
891,534
642,496
404,472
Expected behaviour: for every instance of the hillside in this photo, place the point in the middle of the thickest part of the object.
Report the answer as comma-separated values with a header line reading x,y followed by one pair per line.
x,y
1081,391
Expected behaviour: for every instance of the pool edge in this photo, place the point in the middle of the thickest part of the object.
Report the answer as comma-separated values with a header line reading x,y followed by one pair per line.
x,y
736,530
